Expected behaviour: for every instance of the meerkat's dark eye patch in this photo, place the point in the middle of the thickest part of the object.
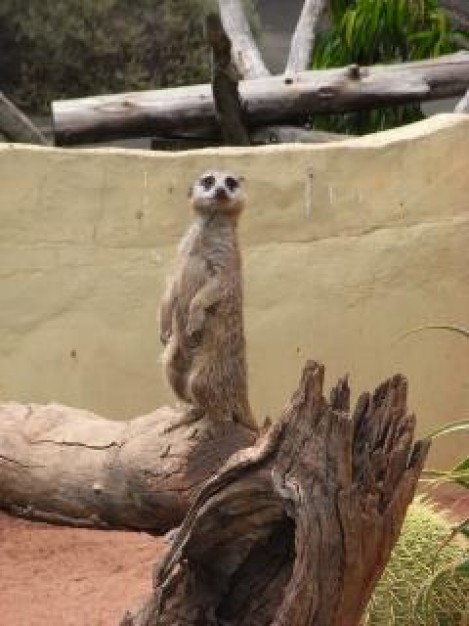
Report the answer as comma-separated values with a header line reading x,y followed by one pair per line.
x,y
207,182
231,183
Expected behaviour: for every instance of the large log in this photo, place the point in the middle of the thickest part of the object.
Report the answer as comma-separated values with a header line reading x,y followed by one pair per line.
x,y
69,466
296,530
270,100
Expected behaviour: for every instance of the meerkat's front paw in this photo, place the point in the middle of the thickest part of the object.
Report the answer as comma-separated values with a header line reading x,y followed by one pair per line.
x,y
165,337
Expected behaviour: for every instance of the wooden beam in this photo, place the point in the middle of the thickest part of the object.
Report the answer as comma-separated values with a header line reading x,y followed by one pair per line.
x,y
302,43
16,127
245,53
272,100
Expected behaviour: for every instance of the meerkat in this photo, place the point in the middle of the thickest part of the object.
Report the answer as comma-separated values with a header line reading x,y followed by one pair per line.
x,y
202,310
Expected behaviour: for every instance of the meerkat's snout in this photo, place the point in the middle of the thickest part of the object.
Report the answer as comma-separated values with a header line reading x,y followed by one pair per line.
x,y
221,194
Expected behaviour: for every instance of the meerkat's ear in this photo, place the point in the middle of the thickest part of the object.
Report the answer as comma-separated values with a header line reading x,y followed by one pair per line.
x,y
241,179
190,191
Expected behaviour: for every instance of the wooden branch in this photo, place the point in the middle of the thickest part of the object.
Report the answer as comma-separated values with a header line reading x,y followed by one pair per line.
x,y
463,105
225,85
245,53
458,11
297,529
68,466
302,42
272,100
16,127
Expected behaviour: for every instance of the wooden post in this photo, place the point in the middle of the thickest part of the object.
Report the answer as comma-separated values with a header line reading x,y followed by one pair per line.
x,y
225,85
463,105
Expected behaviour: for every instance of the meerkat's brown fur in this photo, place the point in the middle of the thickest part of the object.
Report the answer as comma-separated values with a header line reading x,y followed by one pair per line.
x,y
202,310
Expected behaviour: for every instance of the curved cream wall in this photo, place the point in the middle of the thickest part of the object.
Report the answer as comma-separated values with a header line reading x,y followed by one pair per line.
x,y
345,245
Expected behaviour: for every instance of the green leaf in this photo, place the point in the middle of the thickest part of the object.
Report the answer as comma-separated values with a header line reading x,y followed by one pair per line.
x,y
349,23
447,429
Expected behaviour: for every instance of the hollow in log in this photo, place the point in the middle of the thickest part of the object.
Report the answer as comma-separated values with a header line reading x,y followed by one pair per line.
x,y
297,529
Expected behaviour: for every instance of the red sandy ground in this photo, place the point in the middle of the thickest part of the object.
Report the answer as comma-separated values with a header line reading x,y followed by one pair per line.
x,y
55,576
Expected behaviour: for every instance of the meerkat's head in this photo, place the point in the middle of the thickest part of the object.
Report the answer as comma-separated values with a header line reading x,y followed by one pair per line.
x,y
217,193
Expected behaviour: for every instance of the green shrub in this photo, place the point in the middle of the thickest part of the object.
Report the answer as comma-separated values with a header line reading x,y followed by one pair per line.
x,y
367,32
54,49
408,593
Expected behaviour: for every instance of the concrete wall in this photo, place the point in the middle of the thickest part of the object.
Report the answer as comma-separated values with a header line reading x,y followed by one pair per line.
x,y
345,245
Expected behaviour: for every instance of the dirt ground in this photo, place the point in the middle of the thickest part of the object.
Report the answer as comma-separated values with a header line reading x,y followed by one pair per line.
x,y
55,576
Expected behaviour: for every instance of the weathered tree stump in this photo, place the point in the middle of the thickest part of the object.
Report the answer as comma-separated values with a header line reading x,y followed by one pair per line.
x,y
69,466
297,529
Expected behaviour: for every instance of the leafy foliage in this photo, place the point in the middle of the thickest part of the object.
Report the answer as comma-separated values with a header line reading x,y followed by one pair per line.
x,y
367,32
55,48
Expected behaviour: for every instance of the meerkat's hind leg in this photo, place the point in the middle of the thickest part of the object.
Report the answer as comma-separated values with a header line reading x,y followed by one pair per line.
x,y
175,367
219,399
197,385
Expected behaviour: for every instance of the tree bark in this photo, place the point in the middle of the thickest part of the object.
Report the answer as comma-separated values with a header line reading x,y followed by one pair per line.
x,y
297,529
225,80
16,127
69,466
272,100
302,43
245,53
